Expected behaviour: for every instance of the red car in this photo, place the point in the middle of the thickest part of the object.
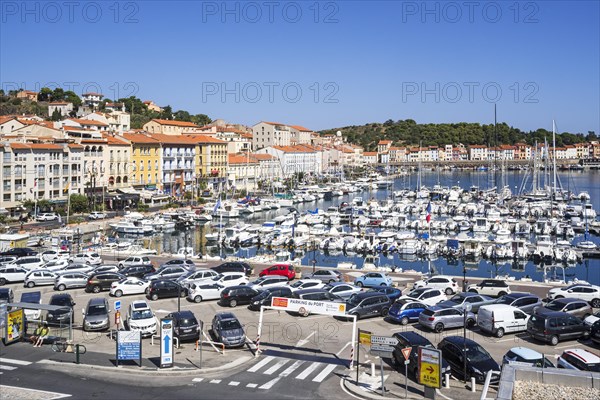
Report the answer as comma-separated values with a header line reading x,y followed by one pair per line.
x,y
286,270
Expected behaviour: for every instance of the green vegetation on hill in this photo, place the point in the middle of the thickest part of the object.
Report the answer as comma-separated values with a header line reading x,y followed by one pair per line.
x,y
409,133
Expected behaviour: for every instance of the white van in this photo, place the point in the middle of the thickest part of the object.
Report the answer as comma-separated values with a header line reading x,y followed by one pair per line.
x,y
499,319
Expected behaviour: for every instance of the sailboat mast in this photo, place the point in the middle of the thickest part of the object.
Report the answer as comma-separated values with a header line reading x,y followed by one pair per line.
x,y
496,152
554,158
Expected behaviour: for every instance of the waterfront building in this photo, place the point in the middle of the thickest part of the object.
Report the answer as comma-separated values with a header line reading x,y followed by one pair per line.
x,y
170,127
267,134
242,172
146,160
118,159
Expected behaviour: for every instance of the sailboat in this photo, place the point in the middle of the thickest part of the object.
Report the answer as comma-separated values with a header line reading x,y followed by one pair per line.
x,y
586,244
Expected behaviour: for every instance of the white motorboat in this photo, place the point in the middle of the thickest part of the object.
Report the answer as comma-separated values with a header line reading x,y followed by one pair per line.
x,y
132,227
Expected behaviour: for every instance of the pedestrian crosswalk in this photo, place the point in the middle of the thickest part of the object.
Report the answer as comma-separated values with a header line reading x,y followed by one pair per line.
x,y
14,364
281,367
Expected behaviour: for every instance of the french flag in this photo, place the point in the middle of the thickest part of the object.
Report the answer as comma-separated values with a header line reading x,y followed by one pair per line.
x,y
428,212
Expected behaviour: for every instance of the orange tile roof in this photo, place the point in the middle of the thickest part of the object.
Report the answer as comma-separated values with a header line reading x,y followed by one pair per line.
x,y
205,139
273,123
173,139
247,135
75,146
300,128
47,124
370,153
262,157
137,138
294,149
241,159
87,122
385,142
115,140
92,141
4,119
175,123
35,146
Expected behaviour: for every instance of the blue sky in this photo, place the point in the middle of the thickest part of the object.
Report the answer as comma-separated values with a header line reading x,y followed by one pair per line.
x,y
320,64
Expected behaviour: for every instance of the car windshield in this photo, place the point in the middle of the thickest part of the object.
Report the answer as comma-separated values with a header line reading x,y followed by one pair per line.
x,y
354,300
477,353
4,295
60,301
416,293
555,306
230,324
258,281
141,314
297,284
458,299
96,310
217,278
505,300
263,295
188,322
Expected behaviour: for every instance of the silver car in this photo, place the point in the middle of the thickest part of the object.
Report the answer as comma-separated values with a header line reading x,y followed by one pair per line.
x,y
197,276
460,300
325,275
70,280
437,318
39,277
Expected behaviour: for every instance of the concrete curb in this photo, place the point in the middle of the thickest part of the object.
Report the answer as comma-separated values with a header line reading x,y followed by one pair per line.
x,y
356,390
175,371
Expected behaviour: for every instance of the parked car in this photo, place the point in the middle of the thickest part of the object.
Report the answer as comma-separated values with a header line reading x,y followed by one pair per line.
x,y
414,341
498,319
405,311
171,273
526,302
307,284
141,318
595,332
589,293
10,274
106,268
180,262
286,270
7,295
86,258
554,326
234,266
7,260
445,283
97,215
269,281
56,265
368,304
234,295
579,359
137,271
591,319
135,261
70,280
46,217
96,315
478,360
228,279
32,298
427,296
437,319
341,289
373,279
226,329
325,275
461,300
29,262
197,276
62,316
526,356
185,325
129,285
39,277
102,281
198,292
50,255
163,288
391,292
578,308
85,268
264,297
18,252
490,287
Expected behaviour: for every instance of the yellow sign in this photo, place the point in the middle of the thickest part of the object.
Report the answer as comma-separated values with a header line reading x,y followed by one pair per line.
x,y
14,325
429,367
364,337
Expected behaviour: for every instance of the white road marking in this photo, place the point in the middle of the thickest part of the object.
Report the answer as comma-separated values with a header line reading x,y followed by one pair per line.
x,y
309,370
291,368
270,384
261,364
275,367
22,390
305,340
564,347
12,361
7,367
251,385
324,373
215,381
233,383
343,348
197,379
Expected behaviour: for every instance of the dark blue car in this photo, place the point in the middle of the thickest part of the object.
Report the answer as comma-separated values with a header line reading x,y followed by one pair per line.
x,y
391,292
405,311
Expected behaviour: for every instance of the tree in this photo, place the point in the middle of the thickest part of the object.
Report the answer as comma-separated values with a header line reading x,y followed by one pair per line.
x,y
182,115
201,119
58,94
167,113
45,94
72,97
57,115
79,203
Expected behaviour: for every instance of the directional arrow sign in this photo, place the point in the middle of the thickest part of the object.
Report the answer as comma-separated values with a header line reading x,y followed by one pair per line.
x,y
166,343
387,340
430,369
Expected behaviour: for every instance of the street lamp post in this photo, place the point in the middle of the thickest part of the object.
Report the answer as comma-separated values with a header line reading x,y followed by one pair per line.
x,y
464,282
466,309
314,260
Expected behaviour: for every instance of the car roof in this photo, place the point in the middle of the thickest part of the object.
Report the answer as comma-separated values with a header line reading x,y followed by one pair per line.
x,y
526,353
365,295
139,304
584,355
459,340
183,314
333,284
518,295
225,315
413,338
439,276
60,295
309,290
568,300
97,300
